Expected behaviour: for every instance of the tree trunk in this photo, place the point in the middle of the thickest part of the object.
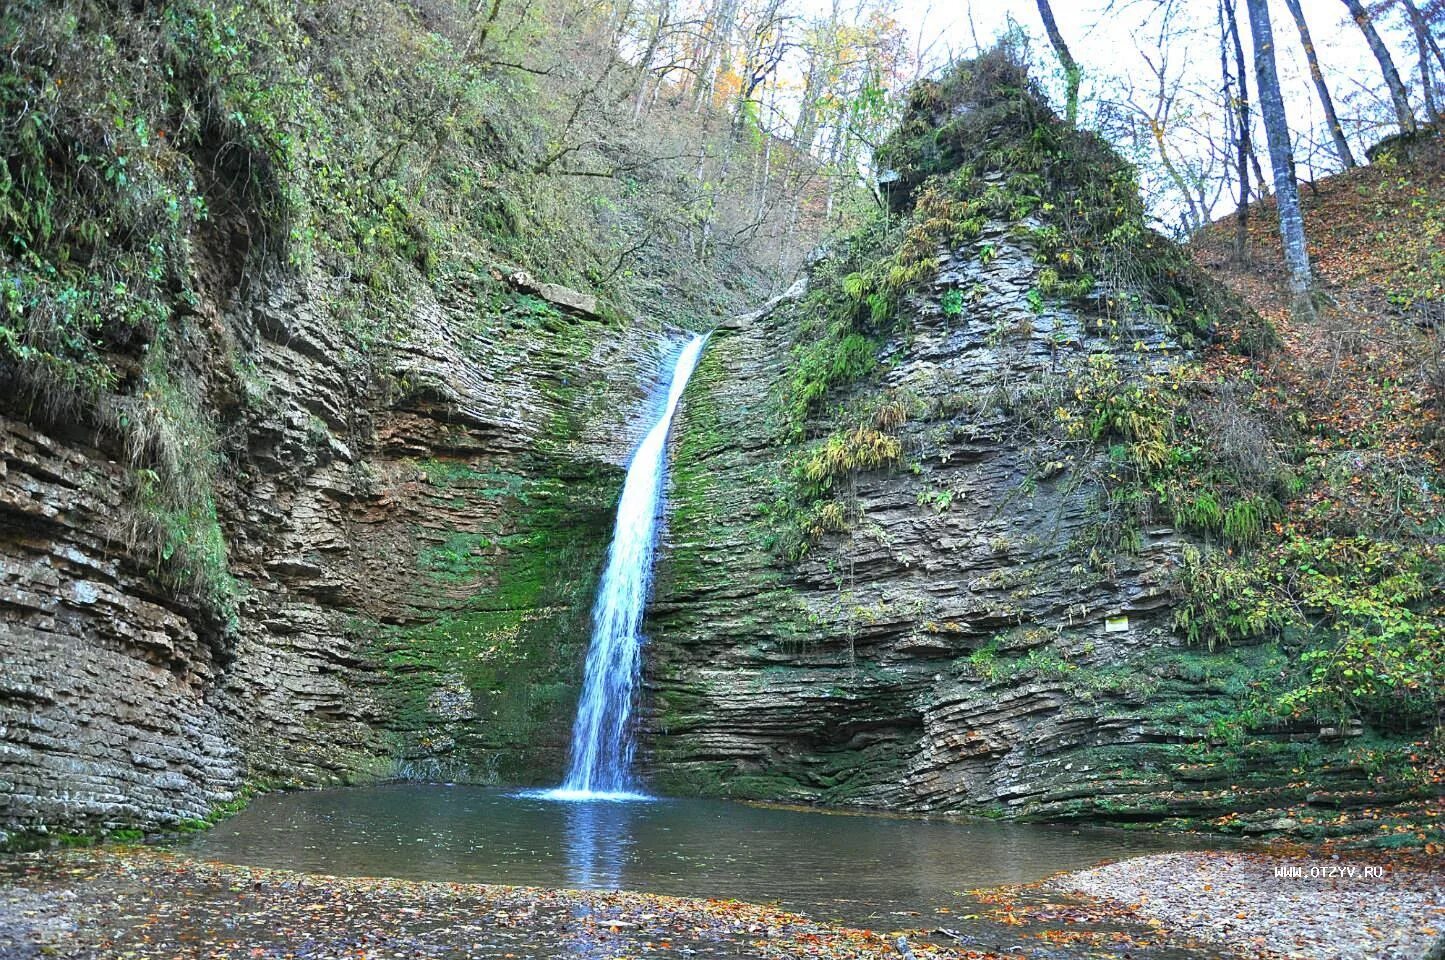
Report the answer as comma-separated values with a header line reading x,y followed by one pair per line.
x,y
821,47
644,65
1403,113
1259,177
487,24
806,129
1066,60
719,52
1337,132
705,219
835,151
1281,156
1242,146
1423,42
1434,47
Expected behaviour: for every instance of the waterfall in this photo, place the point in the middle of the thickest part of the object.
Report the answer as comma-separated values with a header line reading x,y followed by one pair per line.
x,y
602,742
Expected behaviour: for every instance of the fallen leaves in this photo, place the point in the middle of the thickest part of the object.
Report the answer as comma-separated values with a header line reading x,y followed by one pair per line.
x,y
144,904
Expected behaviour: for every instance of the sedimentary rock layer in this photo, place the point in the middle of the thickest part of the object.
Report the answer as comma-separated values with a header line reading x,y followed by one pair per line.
x,y
414,538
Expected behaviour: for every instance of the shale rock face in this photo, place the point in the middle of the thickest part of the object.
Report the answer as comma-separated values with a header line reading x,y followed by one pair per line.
x,y
955,649
980,615
415,544
847,678
109,707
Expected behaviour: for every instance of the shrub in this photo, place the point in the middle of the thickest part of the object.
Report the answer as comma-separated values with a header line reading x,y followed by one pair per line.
x,y
952,303
1365,615
845,453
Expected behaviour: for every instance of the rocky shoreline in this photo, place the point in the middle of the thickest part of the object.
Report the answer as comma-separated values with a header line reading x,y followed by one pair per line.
x,y
140,903
1315,906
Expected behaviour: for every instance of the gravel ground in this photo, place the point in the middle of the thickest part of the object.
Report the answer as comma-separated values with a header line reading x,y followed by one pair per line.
x,y
142,904
1316,908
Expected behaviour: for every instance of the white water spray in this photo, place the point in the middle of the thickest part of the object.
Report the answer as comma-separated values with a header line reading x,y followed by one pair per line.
x,y
602,741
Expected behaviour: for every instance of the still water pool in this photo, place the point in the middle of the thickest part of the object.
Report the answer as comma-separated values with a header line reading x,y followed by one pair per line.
x,y
855,868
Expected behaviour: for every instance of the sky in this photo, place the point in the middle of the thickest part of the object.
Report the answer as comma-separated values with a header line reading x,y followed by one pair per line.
x,y
1108,47
1107,42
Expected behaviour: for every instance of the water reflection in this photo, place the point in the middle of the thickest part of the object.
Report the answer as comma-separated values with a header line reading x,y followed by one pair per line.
x,y
597,838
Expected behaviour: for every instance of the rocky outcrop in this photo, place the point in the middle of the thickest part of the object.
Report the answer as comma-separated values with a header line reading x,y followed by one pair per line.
x,y
555,293
414,534
957,648
109,703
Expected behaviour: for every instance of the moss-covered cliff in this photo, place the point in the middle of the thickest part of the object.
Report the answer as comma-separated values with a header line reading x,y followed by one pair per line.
x,y
957,527
300,482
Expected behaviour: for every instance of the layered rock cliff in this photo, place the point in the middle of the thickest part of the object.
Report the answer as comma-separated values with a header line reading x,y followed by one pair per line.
x,y
414,560
954,649
937,518
302,479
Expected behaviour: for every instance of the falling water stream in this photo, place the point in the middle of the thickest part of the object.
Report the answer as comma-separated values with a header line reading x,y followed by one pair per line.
x,y
602,740
871,871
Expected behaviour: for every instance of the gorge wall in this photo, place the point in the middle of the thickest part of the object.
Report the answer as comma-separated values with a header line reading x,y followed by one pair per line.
x,y
953,648
415,560
942,520
316,384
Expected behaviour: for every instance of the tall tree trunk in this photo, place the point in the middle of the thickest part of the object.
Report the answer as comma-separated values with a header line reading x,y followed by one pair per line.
x,y
1423,42
1242,145
1337,132
822,53
1231,123
703,50
644,64
699,247
1066,60
1427,84
1244,101
1403,113
1434,46
835,154
762,203
1281,156
719,51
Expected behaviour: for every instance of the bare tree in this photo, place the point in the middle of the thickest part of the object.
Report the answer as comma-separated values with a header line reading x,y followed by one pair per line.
x,y
822,46
1157,116
1066,60
1281,155
1432,19
1229,28
716,49
767,43
660,21
1337,132
1423,42
1403,113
